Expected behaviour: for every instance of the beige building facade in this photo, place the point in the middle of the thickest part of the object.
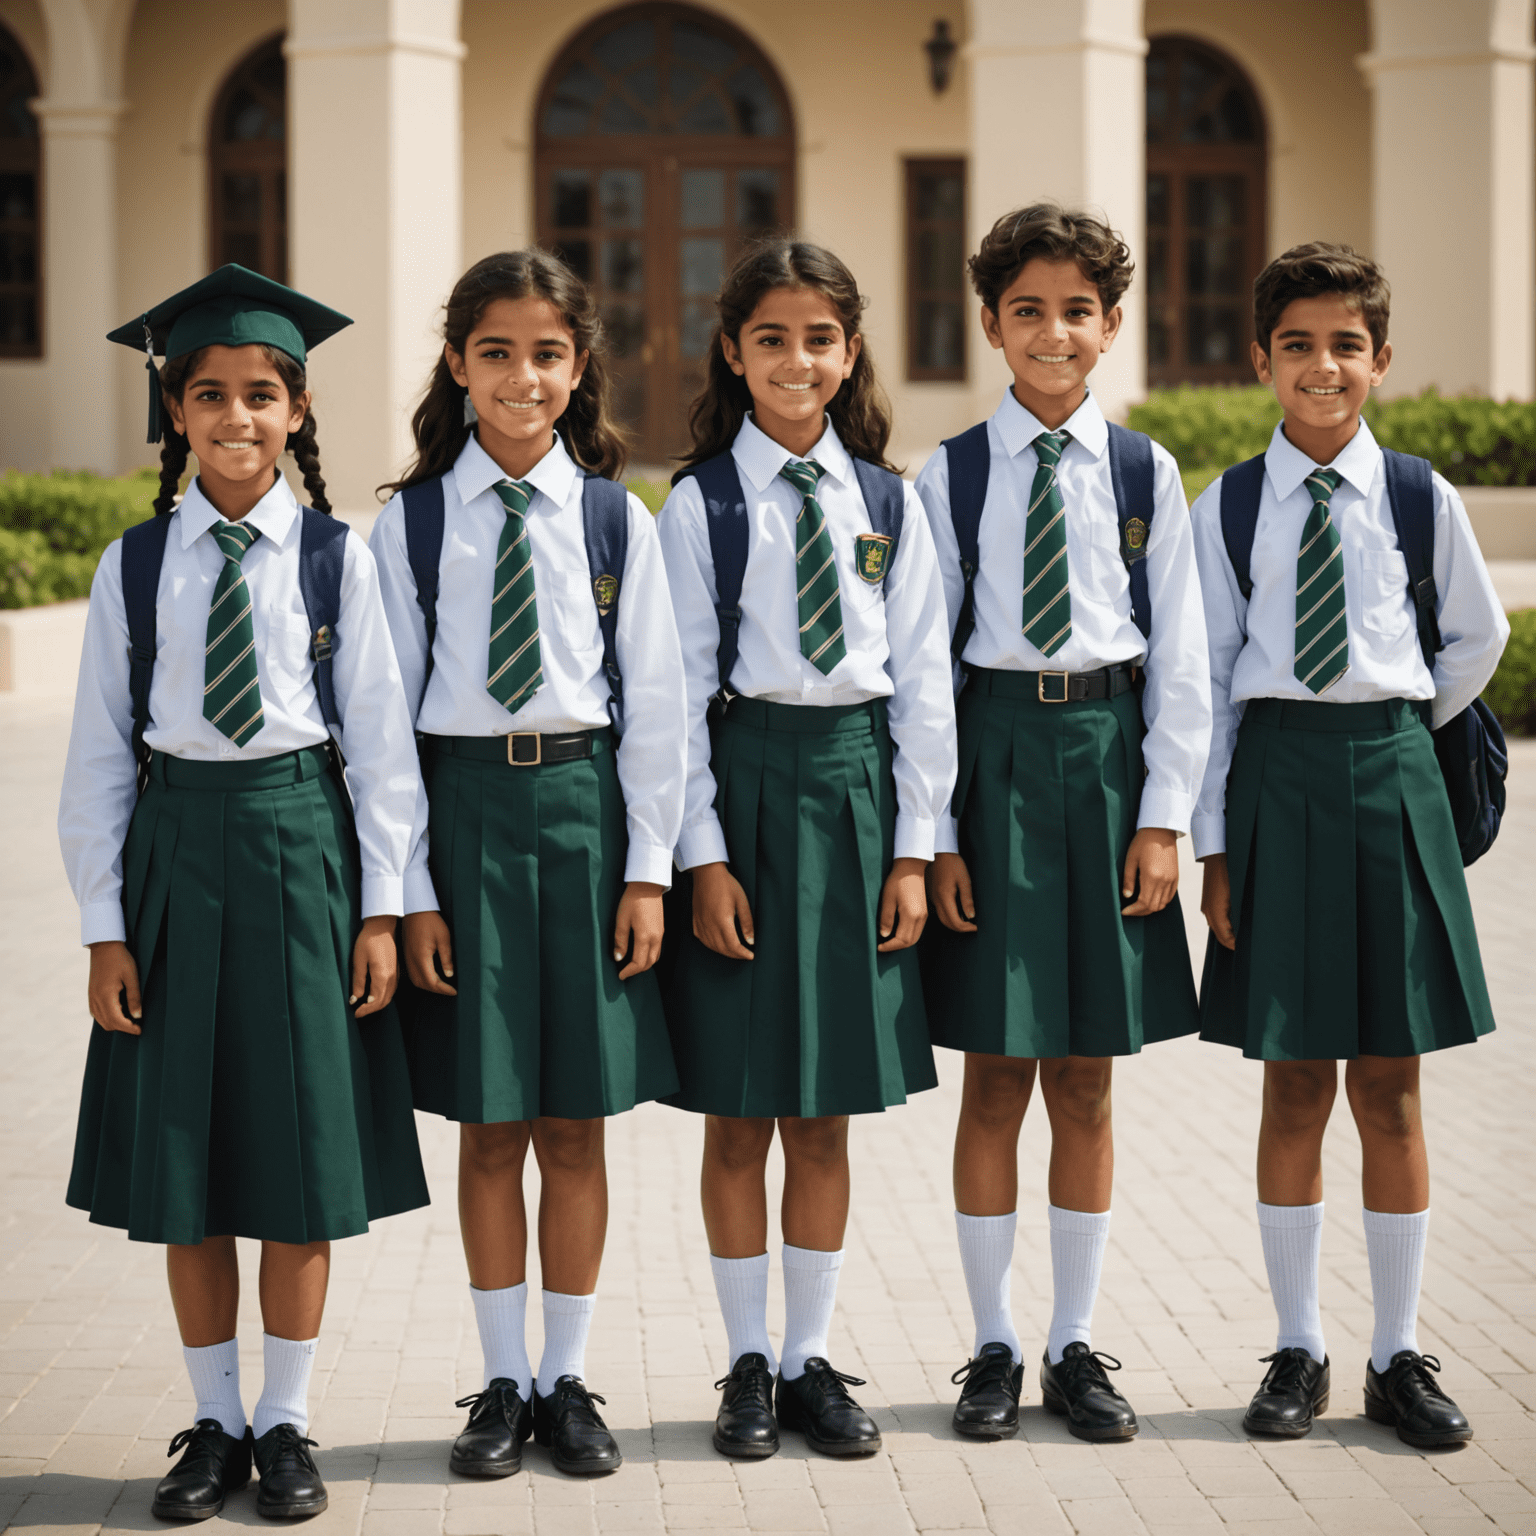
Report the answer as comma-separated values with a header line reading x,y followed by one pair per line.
x,y
368,150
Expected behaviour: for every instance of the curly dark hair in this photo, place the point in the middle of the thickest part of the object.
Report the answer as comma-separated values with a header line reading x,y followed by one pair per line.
x,y
175,449
859,410
590,433
1057,234
1318,267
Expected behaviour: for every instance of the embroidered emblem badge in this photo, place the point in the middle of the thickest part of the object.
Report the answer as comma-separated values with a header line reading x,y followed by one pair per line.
x,y
872,556
605,589
1135,535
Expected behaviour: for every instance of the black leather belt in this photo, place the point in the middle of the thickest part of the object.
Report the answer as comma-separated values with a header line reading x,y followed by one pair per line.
x,y
1056,687
525,749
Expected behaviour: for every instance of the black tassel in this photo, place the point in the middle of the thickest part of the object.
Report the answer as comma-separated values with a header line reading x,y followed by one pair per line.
x,y
156,425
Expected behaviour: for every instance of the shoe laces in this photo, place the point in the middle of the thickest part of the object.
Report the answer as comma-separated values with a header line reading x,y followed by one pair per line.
x,y
981,1366
203,1429
1289,1365
745,1375
291,1443
833,1382
571,1396
493,1394
1094,1363
1419,1368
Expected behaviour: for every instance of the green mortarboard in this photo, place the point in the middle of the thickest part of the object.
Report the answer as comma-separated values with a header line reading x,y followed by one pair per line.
x,y
233,307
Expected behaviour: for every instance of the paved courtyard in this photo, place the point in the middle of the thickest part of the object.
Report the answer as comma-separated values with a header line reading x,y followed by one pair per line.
x,y
92,1386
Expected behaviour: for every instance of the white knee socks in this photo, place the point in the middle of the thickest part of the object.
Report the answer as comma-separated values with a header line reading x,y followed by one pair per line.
x,y
567,1322
501,1317
1395,1247
215,1373
1078,1240
742,1288
810,1293
1293,1243
285,1389
986,1255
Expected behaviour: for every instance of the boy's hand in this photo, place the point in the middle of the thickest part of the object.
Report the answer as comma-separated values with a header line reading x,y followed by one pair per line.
x,y
719,904
427,939
114,981
375,965
949,888
1154,856
640,917
1216,899
903,906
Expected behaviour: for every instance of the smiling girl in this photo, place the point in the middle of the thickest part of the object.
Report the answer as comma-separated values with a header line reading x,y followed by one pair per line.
x,y
248,1077
526,593
820,755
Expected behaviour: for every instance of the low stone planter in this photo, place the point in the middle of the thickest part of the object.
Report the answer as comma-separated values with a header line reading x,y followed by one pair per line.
x,y
1504,520
40,647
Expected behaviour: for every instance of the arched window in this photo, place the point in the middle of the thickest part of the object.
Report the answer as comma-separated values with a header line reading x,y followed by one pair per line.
x,y
664,140
248,166
1205,214
21,297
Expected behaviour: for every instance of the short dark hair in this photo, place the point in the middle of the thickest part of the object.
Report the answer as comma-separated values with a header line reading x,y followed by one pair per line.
x,y
1318,267
1054,233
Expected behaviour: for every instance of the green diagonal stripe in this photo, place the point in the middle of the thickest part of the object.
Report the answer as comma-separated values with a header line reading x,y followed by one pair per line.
x,y
1322,626
1047,593
514,667
231,684
821,608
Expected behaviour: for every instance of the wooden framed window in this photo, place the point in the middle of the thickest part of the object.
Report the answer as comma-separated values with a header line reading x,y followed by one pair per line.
x,y
21,273
248,165
936,319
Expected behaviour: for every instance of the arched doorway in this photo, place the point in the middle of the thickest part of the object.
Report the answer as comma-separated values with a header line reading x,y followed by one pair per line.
x,y
664,141
248,165
1205,213
21,300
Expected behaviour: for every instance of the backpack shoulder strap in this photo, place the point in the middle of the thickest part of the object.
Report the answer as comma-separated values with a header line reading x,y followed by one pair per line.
x,y
424,551
605,520
1411,496
885,499
322,558
725,515
1241,487
143,553
1130,470
970,465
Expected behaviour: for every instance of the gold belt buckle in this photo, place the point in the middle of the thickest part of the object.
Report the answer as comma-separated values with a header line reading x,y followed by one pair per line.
x,y
1040,687
513,737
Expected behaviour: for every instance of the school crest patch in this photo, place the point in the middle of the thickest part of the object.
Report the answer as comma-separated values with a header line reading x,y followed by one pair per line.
x,y
605,589
872,556
1135,535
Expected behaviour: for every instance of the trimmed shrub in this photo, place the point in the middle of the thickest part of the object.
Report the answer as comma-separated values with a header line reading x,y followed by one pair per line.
x,y
651,492
1511,694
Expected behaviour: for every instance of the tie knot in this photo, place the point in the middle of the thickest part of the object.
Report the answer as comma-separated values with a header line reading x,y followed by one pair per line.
x,y
234,539
1322,483
1050,445
515,495
803,475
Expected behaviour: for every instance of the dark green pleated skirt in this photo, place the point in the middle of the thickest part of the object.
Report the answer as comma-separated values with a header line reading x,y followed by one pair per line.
x,y
1354,931
529,868
253,1104
1047,798
818,1022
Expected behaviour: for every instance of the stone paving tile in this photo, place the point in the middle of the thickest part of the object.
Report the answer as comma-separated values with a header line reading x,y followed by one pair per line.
x,y
92,1388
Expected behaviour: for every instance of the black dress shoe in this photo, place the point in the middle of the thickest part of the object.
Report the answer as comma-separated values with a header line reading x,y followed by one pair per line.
x,y
491,1444
745,1425
573,1429
989,1400
1294,1391
290,1484
1407,1396
818,1404
212,1464
1078,1388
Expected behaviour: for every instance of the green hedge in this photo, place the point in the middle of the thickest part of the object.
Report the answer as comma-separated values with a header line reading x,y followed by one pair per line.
x,y
1512,692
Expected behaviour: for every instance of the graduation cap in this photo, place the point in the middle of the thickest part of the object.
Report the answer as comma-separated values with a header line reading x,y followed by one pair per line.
x,y
233,307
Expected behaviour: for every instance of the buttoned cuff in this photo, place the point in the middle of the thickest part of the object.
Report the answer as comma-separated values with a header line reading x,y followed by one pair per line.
x,y
647,862
1170,808
101,922
946,835
383,896
420,893
702,843
1209,831
914,837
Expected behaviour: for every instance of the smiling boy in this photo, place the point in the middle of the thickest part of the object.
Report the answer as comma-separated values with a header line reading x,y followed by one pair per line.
x,y
1340,924
1069,575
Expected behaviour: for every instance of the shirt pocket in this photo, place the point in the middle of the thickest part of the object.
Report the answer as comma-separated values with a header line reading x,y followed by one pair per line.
x,y
1110,576
575,613
1384,601
288,663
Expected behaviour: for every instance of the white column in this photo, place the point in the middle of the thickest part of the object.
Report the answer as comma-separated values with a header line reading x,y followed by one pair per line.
x,y
374,215
1452,195
1057,90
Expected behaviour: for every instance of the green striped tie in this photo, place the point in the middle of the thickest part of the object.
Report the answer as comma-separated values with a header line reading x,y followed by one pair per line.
x,y
821,608
1322,631
515,668
1047,596
231,688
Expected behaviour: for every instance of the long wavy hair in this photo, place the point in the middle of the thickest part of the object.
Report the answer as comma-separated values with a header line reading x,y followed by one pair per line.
x,y
859,411
587,427
175,449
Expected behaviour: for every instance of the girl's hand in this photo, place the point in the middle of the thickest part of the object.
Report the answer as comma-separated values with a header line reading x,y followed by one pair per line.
x,y
903,906
949,888
427,939
1154,855
640,918
1216,899
114,981
375,965
719,905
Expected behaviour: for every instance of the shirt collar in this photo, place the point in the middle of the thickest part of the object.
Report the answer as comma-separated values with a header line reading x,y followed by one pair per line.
x,y
475,471
275,516
762,458
1019,427
1287,466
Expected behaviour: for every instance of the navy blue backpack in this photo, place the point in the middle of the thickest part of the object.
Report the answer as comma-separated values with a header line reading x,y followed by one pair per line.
x,y
1474,760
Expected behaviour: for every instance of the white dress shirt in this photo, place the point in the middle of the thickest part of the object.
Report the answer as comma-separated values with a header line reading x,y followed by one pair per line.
x,y
1253,641
99,791
574,694
894,633
1175,703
